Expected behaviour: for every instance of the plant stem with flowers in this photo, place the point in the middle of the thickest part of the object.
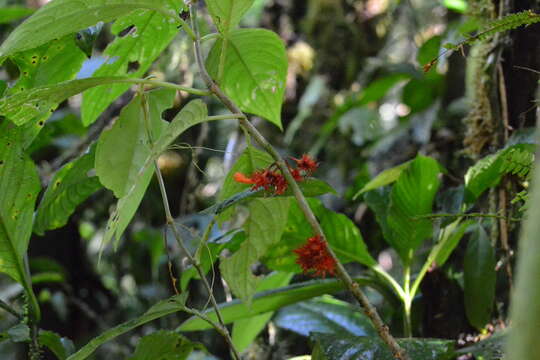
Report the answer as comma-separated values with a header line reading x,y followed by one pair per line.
x,y
282,165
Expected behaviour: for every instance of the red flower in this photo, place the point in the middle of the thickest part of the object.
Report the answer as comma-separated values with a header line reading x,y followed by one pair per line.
x,y
306,163
241,178
266,179
314,256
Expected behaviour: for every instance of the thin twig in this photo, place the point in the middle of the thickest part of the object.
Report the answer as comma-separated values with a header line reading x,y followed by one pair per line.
x,y
221,328
352,286
467,215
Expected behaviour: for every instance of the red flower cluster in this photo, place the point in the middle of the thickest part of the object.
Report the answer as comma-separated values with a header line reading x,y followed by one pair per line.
x,y
314,256
269,179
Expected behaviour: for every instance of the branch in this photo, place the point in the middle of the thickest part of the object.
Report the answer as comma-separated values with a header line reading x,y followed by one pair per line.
x,y
351,285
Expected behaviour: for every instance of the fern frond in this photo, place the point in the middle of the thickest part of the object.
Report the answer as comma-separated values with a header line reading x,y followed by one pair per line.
x,y
518,162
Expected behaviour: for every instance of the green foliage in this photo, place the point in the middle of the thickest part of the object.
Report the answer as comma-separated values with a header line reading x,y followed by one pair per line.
x,y
264,226
479,278
269,301
19,188
324,315
69,187
114,163
43,27
226,14
164,345
61,347
151,34
13,13
244,331
411,197
159,310
386,177
334,347
256,64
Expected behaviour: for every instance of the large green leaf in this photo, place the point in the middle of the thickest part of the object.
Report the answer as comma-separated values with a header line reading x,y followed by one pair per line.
x,y
193,113
267,219
244,331
151,34
124,149
227,13
70,186
73,16
19,187
26,105
412,196
162,308
61,347
449,238
270,300
324,315
251,67
479,278
164,345
346,347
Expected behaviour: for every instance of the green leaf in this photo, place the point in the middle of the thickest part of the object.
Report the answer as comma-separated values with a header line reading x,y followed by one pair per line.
x,y
345,238
449,238
12,13
226,14
61,347
39,101
124,149
488,171
269,301
256,70
324,315
420,93
246,330
346,347
429,50
378,201
412,196
479,278
267,219
456,5
70,186
151,34
74,16
193,113
164,345
161,309
377,89
384,178
19,187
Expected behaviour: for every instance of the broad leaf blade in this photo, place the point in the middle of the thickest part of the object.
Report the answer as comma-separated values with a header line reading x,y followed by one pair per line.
x,y
386,177
256,69
246,330
39,101
162,308
269,301
74,16
345,347
411,197
70,186
61,347
227,13
324,315
19,187
151,34
479,278
267,219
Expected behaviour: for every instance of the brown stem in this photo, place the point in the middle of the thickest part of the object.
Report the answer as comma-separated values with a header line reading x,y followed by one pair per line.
x,y
351,285
221,328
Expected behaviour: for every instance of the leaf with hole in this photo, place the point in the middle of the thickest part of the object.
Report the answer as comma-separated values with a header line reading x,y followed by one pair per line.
x,y
256,70
73,16
148,34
